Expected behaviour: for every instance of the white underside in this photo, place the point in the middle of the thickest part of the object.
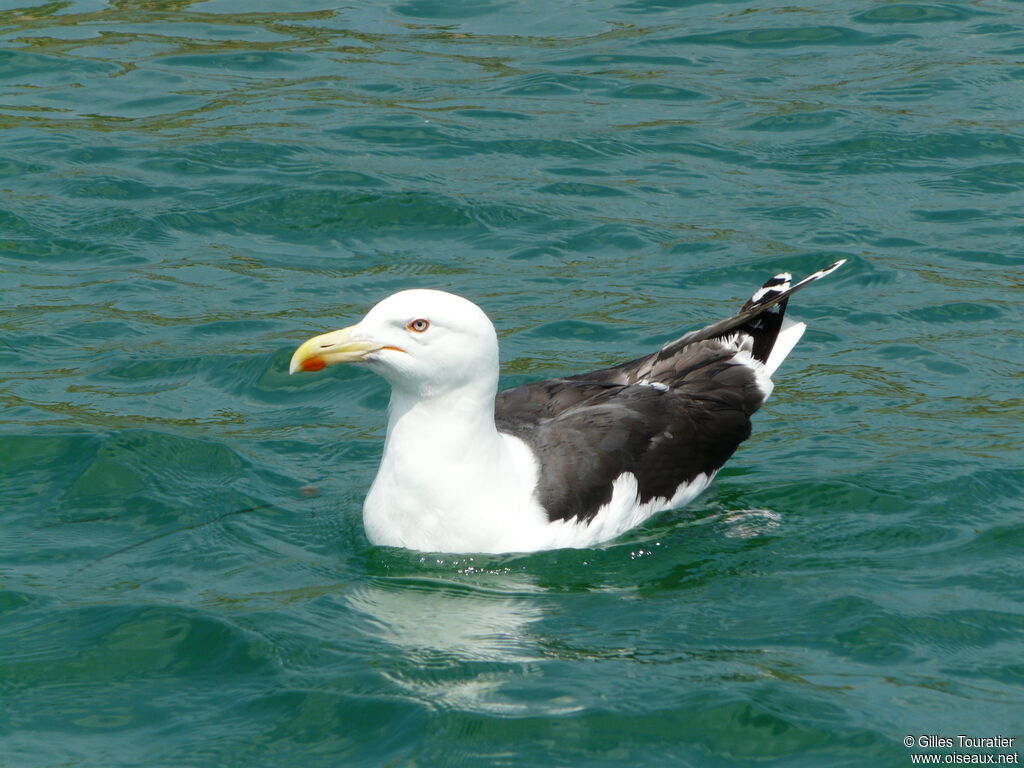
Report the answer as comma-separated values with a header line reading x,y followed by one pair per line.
x,y
623,512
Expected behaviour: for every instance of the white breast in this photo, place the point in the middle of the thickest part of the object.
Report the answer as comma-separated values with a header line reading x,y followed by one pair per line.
x,y
483,502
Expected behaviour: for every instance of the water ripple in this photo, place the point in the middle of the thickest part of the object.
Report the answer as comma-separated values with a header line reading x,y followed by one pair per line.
x,y
190,189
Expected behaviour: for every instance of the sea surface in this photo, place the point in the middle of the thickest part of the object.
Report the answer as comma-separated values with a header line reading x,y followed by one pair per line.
x,y
189,190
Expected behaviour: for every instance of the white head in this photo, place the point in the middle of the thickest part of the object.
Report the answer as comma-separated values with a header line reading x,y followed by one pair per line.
x,y
425,343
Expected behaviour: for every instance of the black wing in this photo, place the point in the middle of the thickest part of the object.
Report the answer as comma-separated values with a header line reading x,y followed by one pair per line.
x,y
587,433
667,417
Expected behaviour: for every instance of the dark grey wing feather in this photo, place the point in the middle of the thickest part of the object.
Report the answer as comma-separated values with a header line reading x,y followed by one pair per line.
x,y
664,437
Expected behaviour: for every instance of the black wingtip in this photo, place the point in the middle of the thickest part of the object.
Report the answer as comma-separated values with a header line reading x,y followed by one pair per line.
x,y
764,326
773,288
760,307
773,296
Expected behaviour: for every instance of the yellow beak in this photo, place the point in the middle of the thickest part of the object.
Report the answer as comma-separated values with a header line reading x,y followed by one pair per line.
x,y
328,349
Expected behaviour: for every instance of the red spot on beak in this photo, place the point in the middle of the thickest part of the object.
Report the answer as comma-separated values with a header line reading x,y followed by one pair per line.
x,y
314,364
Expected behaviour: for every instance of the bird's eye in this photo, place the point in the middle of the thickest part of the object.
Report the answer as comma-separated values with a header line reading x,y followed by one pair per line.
x,y
419,325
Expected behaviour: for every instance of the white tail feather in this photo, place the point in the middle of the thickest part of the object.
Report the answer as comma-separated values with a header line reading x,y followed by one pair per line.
x,y
789,335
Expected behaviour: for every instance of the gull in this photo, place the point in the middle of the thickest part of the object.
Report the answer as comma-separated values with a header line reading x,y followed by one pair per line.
x,y
565,462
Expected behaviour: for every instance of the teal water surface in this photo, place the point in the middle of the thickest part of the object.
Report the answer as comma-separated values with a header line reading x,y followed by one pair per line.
x,y
188,190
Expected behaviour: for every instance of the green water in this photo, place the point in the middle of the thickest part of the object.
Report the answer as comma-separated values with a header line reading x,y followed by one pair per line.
x,y
190,189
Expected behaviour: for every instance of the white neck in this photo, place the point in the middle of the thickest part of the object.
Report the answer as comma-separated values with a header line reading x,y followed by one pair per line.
x,y
448,480
453,428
